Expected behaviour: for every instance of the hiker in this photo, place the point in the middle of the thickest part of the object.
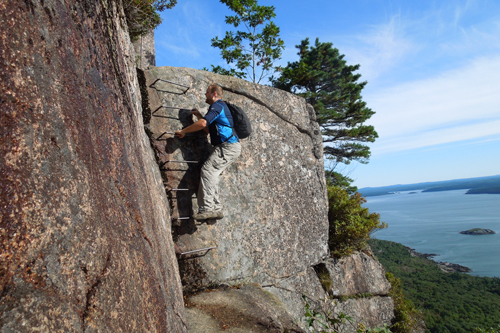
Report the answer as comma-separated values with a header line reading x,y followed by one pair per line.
x,y
219,123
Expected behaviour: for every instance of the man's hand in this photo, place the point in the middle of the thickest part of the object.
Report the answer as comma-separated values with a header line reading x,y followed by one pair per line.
x,y
180,134
199,125
196,113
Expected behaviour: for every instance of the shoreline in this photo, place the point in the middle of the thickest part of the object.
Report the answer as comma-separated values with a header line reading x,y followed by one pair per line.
x,y
446,267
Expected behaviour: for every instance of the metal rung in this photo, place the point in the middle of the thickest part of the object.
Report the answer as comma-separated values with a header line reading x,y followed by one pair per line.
x,y
158,138
167,117
177,84
206,249
168,107
181,218
177,162
179,189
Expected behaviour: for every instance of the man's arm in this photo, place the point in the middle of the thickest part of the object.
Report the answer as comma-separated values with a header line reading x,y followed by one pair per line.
x,y
201,124
199,116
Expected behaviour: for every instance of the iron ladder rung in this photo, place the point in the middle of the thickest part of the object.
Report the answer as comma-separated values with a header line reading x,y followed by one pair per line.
x,y
171,161
152,85
205,249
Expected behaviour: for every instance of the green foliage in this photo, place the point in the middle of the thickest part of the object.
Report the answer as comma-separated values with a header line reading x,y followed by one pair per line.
x,y
385,329
142,15
223,71
337,179
407,316
451,302
258,45
350,223
318,321
324,277
324,79
488,330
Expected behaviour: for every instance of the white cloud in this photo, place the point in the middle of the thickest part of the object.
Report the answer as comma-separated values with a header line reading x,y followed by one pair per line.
x,y
381,48
408,42
458,105
439,137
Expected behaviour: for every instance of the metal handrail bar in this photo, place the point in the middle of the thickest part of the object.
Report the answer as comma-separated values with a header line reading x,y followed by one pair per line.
x,y
167,107
205,249
158,138
168,117
177,84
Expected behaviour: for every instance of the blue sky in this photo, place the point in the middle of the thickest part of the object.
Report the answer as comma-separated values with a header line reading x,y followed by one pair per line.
x,y
433,72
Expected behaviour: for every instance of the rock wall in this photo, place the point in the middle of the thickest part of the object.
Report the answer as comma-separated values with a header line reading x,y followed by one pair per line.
x,y
274,195
144,48
85,230
275,228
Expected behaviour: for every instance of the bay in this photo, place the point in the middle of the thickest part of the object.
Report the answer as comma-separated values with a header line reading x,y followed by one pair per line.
x,y
430,222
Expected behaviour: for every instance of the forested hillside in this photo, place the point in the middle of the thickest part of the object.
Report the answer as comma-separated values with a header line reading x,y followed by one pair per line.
x,y
451,302
476,185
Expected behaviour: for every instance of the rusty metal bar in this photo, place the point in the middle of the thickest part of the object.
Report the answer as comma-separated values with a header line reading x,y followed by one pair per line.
x,y
168,107
158,138
167,117
205,249
174,83
177,162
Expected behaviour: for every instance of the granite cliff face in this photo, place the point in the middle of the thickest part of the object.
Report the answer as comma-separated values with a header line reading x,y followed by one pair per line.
x,y
276,226
274,195
85,230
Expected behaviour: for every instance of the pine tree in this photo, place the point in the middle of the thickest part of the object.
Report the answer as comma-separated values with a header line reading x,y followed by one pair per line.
x,y
324,79
257,45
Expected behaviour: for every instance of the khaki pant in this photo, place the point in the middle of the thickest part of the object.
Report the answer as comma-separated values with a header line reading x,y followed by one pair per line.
x,y
220,158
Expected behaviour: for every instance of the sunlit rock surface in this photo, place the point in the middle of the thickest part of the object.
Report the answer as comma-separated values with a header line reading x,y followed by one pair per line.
x,y
276,226
85,227
274,194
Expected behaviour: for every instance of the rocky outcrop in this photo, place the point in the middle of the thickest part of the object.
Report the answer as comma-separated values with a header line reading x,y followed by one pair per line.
x,y
274,195
85,231
275,229
354,275
245,309
353,286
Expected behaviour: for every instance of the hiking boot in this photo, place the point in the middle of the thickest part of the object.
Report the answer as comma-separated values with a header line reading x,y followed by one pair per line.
x,y
219,215
205,215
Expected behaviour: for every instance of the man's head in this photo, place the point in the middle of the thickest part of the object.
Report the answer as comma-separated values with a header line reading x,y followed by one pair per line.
x,y
213,94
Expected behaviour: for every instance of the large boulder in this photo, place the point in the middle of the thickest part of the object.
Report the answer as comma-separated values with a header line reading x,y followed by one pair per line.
x,y
356,274
245,309
274,195
275,231
85,232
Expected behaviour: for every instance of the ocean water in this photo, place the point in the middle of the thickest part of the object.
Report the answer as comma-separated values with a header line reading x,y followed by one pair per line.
x,y
430,222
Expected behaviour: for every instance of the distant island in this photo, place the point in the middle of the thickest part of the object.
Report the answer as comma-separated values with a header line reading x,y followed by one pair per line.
x,y
484,190
480,185
478,231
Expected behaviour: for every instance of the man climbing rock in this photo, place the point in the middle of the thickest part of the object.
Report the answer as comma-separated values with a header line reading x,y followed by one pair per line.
x,y
219,123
